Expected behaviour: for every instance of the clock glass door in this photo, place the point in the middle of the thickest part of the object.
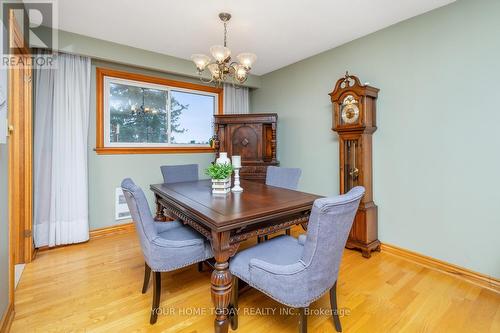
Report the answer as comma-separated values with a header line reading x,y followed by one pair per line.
x,y
351,173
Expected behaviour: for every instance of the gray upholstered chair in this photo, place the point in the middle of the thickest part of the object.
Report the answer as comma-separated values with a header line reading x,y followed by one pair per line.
x,y
179,173
165,246
296,272
282,177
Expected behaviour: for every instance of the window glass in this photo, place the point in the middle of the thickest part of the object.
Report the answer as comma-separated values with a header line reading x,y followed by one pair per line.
x,y
189,115
137,114
141,114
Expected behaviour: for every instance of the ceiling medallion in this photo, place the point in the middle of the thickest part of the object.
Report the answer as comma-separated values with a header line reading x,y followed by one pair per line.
x,y
222,68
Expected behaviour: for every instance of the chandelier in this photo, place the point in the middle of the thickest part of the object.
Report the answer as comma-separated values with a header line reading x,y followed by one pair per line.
x,y
222,67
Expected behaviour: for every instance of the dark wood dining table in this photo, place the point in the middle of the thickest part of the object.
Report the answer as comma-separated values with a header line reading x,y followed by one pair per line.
x,y
228,220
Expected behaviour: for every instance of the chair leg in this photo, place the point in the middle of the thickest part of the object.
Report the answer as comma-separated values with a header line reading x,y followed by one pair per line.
x,y
147,275
287,232
200,266
233,305
335,310
302,320
156,297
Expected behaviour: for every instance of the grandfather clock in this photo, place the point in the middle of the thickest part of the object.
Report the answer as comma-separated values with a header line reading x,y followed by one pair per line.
x,y
354,108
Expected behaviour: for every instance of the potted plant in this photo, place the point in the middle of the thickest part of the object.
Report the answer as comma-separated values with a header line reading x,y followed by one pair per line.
x,y
221,177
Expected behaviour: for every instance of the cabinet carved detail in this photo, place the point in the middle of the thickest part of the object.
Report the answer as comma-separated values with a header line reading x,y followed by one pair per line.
x,y
253,137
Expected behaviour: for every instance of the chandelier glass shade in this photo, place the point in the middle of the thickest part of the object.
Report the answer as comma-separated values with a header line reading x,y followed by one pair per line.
x,y
221,68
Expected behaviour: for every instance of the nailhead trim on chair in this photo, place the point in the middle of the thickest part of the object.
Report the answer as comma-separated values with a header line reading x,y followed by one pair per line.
x,y
181,266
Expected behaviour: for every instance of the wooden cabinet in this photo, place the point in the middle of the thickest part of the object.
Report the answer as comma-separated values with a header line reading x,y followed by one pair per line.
x,y
253,137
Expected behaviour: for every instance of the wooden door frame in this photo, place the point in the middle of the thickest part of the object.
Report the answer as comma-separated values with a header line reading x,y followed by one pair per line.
x,y
20,151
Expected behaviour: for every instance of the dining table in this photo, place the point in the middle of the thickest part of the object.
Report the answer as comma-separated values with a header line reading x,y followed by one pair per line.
x,y
228,220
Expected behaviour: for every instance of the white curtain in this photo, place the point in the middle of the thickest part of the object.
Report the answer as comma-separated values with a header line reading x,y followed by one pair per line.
x,y
235,99
62,97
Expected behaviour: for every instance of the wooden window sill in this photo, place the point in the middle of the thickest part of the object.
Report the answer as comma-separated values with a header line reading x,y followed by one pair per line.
x,y
152,150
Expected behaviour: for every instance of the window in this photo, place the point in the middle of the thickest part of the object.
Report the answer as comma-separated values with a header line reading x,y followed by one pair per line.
x,y
142,114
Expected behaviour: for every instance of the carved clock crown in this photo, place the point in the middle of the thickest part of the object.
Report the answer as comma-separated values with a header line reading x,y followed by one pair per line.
x,y
353,105
352,83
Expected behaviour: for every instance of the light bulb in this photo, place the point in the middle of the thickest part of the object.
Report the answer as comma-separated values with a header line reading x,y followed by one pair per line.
x,y
246,59
214,69
201,61
220,53
240,73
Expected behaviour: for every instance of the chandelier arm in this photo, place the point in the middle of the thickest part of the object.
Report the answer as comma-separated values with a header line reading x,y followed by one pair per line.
x,y
206,80
202,79
235,79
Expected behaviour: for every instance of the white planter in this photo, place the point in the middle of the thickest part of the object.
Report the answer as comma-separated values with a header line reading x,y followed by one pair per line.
x,y
221,186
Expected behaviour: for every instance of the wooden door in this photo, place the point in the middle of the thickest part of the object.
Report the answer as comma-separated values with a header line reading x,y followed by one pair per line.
x,y
20,153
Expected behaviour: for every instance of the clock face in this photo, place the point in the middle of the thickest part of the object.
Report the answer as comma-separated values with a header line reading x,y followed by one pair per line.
x,y
350,110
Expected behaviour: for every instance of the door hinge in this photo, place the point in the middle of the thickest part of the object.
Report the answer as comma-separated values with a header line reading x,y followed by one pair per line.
x,y
27,233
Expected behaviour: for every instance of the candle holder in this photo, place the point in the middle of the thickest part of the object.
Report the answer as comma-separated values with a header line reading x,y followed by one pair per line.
x,y
237,187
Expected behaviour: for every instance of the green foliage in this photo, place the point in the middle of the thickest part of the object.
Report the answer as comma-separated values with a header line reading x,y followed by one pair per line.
x,y
219,171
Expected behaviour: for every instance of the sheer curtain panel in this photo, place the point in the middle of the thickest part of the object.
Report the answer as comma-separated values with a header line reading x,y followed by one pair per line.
x,y
62,97
236,99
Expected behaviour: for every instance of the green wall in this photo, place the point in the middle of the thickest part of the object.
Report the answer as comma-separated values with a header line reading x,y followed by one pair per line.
x,y
437,148
107,171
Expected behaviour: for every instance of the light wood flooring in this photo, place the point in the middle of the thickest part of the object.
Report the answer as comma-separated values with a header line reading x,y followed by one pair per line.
x,y
96,287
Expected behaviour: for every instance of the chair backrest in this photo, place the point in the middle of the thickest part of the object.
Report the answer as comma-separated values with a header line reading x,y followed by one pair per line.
x,y
141,214
327,231
283,177
179,173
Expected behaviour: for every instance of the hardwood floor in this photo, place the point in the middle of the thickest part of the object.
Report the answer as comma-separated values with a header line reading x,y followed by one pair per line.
x,y
96,287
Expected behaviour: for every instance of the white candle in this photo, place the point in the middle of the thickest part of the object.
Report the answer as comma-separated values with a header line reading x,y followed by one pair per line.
x,y
236,161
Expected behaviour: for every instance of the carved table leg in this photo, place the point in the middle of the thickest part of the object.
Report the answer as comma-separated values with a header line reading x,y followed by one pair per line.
x,y
221,279
159,210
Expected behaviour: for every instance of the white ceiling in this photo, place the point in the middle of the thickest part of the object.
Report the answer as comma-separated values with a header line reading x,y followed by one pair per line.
x,y
280,32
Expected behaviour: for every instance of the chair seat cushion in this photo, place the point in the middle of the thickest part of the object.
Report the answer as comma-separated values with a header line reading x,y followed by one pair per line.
x,y
176,231
281,250
176,246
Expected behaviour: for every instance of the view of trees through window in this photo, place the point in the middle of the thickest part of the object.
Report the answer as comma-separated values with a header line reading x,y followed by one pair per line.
x,y
149,115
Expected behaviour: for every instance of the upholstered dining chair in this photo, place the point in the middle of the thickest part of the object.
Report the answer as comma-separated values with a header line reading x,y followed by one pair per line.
x,y
296,272
165,246
179,173
282,177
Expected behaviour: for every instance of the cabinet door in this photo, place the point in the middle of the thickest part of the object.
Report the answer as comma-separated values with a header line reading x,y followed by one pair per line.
x,y
246,140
